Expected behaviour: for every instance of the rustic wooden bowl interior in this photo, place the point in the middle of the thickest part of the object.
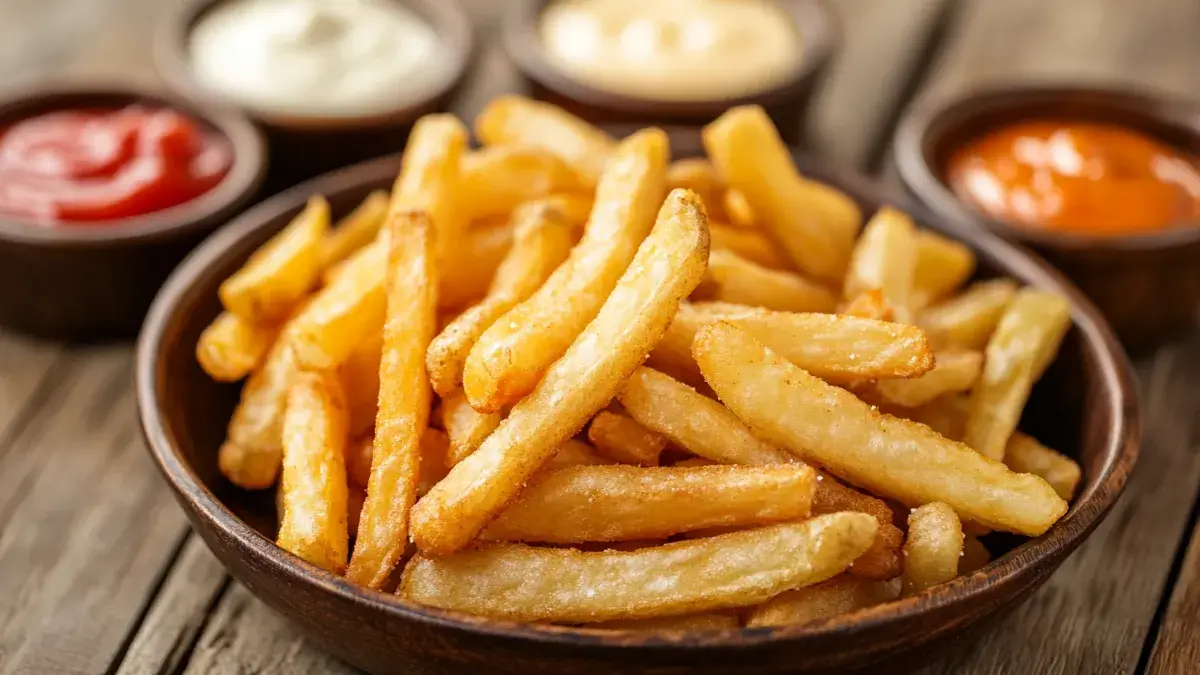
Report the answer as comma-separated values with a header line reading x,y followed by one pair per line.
x,y
1085,406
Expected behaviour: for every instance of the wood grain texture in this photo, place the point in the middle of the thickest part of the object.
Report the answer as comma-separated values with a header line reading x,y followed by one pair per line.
x,y
24,367
1177,649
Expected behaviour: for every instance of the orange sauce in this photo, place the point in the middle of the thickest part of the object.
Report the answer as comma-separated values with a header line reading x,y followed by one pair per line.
x,y
1084,178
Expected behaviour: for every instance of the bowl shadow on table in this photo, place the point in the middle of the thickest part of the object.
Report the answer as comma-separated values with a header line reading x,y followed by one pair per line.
x,y
1079,407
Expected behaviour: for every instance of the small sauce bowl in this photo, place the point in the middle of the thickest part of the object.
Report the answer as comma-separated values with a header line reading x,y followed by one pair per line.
x,y
787,103
1147,285
94,281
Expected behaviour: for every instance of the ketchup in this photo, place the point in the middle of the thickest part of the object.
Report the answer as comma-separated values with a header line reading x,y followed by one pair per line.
x,y
86,166
1078,177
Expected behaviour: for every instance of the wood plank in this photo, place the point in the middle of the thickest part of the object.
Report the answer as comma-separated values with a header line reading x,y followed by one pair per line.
x,y
166,638
86,524
1177,649
25,363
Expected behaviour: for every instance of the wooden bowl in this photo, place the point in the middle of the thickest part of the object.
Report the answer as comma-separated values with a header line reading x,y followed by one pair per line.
x,y
304,146
1148,286
95,282
1086,406
787,103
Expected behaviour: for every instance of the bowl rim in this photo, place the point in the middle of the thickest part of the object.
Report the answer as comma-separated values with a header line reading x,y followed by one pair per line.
x,y
927,122
239,185
447,17
818,26
1037,556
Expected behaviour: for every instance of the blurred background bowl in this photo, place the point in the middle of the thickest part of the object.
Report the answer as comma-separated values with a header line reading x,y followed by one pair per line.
x,y
1147,285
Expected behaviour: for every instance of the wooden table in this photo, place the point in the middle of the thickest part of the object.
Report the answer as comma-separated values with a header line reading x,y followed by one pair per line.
x,y
99,572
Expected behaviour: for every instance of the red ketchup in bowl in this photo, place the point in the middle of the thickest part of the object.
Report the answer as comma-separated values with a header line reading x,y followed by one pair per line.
x,y
82,167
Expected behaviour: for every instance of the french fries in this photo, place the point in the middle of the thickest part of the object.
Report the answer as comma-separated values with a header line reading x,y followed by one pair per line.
x,y
230,348
942,266
700,176
889,456
955,371
465,426
686,622
360,382
313,490
404,397
668,265
734,279
839,595
523,583
975,555
500,178
434,447
968,319
1026,455
1017,354
883,260
513,353
253,447
748,244
515,120
933,547
738,209
623,440
327,330
815,225
279,275
575,453
541,242
356,230
623,503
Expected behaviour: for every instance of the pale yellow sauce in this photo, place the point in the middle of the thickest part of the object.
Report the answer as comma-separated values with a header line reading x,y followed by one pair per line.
x,y
673,50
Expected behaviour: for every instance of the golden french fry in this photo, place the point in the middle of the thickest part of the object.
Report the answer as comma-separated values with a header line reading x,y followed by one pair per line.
x,y
515,120
500,178
541,242
356,230
625,441
891,457
943,265
946,415
735,279
749,244
404,397
253,447
358,460
280,273
1025,455
523,583
975,555
688,622
485,244
837,349
839,595
622,503
700,176
312,523
933,547
512,354
573,206
575,453
968,319
882,560
230,348
1024,343
360,382
465,426
869,304
332,324
434,446
883,259
668,265
430,179
815,224
738,209
954,372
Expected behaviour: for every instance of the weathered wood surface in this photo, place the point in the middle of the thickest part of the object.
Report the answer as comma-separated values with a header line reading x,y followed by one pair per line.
x,y
98,572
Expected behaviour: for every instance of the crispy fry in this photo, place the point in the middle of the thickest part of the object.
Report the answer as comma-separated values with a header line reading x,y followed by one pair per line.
x,y
541,242
622,503
1024,343
281,272
229,348
668,265
360,382
889,456
738,209
839,595
358,460
575,452
502,177
356,230
967,320
515,120
837,349
933,547
434,446
882,560
330,327
943,265
1025,455
518,582
869,305
954,372
749,244
815,224
430,178
975,555
700,176
404,397
625,441
465,426
883,260
735,279
312,523
688,622
252,451
512,354
485,244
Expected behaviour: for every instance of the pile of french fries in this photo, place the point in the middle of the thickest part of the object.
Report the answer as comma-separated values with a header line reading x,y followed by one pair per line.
x,y
540,382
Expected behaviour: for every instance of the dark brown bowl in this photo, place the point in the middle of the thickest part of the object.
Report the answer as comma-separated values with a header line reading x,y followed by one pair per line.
x,y
1085,405
787,104
304,146
1148,286
95,281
